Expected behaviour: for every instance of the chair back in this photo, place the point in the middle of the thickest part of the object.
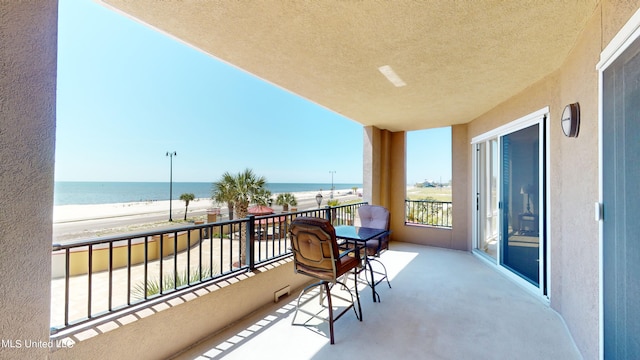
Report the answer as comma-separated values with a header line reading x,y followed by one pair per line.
x,y
314,246
374,216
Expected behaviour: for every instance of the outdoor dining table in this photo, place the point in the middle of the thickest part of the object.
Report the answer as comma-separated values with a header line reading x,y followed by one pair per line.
x,y
359,236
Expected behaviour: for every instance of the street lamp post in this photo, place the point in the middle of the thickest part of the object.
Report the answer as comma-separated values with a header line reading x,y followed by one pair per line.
x,y
171,155
331,193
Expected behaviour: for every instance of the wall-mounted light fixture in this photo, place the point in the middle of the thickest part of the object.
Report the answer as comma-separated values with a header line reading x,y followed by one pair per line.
x,y
571,120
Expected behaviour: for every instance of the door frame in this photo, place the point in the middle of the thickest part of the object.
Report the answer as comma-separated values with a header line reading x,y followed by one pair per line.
x,y
528,120
629,33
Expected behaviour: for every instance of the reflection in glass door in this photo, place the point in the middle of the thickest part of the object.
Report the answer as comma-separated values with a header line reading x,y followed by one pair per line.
x,y
520,212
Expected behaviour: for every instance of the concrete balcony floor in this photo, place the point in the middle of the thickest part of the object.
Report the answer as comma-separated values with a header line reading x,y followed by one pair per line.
x,y
444,304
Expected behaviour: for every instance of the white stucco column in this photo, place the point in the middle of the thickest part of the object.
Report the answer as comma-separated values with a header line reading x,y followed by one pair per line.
x,y
28,51
367,163
376,172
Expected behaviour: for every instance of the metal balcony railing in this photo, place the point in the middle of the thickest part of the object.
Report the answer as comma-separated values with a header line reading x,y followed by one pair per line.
x,y
98,277
428,212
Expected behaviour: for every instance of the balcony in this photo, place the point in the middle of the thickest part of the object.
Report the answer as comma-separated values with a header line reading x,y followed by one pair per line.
x,y
97,279
444,304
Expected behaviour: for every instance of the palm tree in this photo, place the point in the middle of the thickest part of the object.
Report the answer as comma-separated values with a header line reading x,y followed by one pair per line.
x,y
285,200
248,188
239,191
223,192
186,197
263,197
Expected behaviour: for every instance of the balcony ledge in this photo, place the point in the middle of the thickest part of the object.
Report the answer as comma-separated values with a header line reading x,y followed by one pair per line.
x,y
86,338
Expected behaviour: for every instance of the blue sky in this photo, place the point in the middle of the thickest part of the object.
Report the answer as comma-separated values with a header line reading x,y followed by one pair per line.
x,y
128,94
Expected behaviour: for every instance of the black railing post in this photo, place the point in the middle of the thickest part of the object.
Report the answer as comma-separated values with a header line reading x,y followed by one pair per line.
x,y
327,213
161,256
67,277
110,301
250,240
175,260
90,279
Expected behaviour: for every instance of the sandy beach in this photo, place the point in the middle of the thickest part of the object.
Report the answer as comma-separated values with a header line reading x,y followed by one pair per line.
x,y
74,213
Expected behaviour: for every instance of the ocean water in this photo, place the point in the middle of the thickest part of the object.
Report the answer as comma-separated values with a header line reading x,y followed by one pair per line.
x,y
80,193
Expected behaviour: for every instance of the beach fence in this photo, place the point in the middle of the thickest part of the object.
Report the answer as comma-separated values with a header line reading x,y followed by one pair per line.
x,y
99,277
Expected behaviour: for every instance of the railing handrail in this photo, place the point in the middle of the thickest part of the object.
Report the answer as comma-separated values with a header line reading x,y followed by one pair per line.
x,y
140,234
429,201
173,246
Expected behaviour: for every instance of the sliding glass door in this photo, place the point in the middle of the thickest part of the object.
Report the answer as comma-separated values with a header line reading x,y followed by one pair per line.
x,y
621,204
520,211
509,188
487,214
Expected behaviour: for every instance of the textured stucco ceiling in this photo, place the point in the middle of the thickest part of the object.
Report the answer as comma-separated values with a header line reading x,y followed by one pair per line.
x,y
459,58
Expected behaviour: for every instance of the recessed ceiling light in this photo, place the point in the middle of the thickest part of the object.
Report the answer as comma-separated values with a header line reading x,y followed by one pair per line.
x,y
391,75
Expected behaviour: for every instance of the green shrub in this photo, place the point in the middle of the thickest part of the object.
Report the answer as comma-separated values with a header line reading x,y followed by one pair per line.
x,y
168,282
333,202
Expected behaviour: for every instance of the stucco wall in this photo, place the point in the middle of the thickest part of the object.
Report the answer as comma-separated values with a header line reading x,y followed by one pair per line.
x,y
370,136
615,13
573,168
28,31
573,243
177,324
461,180
377,166
385,170
395,178
574,240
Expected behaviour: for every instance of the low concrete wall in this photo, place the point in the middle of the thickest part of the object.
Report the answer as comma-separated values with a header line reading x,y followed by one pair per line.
x,y
424,235
165,329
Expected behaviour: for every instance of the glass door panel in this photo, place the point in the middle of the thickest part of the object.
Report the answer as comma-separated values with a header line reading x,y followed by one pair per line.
x,y
621,191
487,197
520,211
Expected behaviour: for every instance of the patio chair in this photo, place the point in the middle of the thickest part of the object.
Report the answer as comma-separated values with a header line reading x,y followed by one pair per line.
x,y
377,217
316,254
